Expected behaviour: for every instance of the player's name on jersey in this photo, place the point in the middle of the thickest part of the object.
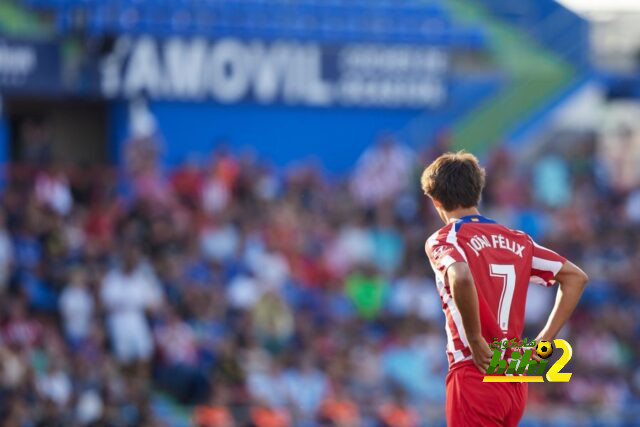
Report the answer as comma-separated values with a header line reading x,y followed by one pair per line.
x,y
497,241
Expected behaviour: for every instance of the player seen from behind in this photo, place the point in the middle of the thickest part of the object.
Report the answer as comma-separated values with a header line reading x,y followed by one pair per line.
x,y
483,270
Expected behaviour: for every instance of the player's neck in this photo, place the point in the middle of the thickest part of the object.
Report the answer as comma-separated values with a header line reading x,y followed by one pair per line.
x,y
456,214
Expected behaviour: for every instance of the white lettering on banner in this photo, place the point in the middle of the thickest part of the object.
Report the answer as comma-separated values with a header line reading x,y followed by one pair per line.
x,y
17,63
292,74
268,76
144,64
227,71
17,60
231,70
185,82
318,92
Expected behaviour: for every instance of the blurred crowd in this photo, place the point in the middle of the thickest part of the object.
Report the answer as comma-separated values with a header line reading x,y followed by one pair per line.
x,y
255,295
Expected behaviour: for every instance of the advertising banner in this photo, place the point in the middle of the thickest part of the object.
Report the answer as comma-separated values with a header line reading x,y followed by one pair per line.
x,y
29,67
233,70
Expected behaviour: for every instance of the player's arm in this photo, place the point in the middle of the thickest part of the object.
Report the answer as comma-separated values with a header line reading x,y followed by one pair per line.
x,y
572,281
465,296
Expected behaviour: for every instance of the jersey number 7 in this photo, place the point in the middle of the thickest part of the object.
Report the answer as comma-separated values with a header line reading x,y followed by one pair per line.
x,y
507,273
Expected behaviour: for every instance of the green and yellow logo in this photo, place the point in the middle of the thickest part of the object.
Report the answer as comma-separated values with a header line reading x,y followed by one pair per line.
x,y
522,367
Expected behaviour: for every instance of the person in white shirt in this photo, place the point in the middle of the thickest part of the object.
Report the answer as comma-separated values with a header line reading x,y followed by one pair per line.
x,y
55,384
53,190
76,306
383,172
127,293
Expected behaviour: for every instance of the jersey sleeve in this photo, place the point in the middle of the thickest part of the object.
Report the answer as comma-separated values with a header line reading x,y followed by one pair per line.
x,y
443,252
545,264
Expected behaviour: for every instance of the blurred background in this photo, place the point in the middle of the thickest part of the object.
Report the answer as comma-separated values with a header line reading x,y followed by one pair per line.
x,y
211,215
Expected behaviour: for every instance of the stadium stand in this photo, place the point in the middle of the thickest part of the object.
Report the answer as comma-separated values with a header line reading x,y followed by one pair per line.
x,y
185,280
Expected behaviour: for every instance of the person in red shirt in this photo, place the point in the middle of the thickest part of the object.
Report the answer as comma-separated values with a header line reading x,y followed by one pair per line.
x,y
215,413
339,410
263,415
483,270
397,413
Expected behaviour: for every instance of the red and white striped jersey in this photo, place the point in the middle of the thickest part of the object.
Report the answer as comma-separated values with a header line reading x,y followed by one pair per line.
x,y
502,262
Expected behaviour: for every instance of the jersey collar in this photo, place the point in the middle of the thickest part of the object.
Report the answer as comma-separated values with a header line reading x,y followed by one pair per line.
x,y
473,219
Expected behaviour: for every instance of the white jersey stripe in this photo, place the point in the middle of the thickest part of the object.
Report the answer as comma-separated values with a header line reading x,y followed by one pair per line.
x,y
447,261
453,239
451,312
546,265
453,308
450,347
447,300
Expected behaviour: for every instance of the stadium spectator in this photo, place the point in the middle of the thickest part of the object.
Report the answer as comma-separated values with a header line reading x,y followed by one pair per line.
x,y
382,172
306,386
178,352
265,416
339,410
215,413
397,413
76,307
128,292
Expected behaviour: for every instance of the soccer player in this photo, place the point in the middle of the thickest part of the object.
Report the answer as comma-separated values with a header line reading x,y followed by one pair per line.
x,y
482,273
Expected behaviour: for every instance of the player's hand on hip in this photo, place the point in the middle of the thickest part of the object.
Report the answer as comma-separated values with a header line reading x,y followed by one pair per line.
x,y
481,353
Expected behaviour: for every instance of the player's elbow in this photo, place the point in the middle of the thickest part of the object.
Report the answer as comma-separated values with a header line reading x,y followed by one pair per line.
x,y
580,278
583,279
573,275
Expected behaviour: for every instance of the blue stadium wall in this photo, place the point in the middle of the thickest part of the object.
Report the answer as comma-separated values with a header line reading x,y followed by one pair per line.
x,y
334,137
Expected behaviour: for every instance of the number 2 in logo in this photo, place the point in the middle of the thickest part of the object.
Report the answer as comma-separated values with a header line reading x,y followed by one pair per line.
x,y
554,374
